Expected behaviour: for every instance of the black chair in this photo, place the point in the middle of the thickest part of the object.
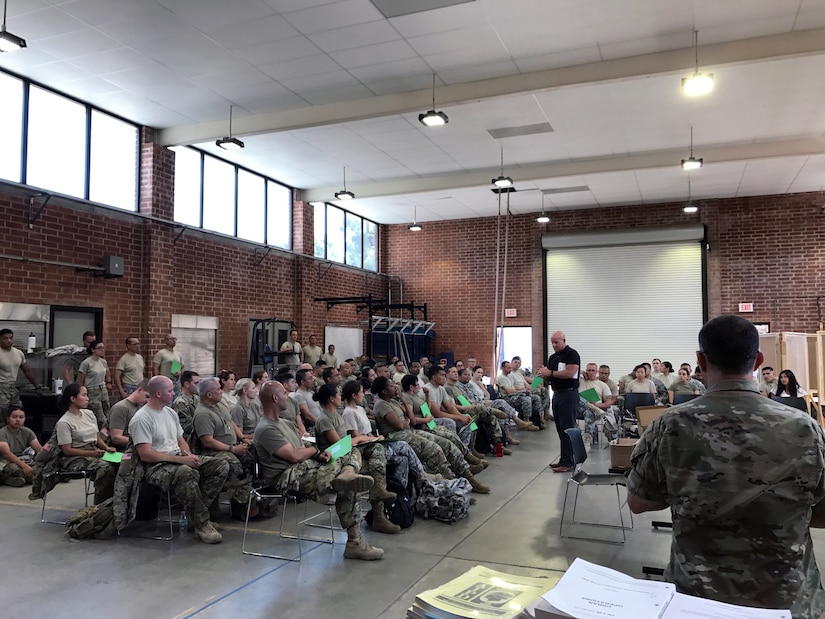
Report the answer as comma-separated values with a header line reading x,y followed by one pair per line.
x,y
580,478
492,391
798,403
681,398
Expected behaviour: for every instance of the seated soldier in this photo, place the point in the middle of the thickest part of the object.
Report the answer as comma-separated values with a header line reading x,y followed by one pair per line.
x,y
522,385
347,371
485,415
303,397
513,397
317,374
18,446
167,462
289,466
769,381
604,376
218,438
475,395
121,413
593,410
696,384
246,413
291,412
187,402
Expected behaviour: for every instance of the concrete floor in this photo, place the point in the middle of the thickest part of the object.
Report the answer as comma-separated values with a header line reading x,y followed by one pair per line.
x,y
514,529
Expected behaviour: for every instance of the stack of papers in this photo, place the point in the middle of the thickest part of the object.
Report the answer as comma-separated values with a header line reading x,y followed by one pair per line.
x,y
480,593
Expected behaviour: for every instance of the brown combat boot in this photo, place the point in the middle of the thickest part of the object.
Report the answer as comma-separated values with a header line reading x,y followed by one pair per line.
x,y
350,481
358,548
509,438
380,522
524,425
379,491
477,487
499,413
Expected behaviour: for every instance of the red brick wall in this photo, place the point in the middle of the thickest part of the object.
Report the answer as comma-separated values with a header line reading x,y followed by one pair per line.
x,y
762,250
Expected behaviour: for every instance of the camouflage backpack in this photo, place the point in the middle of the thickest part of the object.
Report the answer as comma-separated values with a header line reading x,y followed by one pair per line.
x,y
95,522
446,500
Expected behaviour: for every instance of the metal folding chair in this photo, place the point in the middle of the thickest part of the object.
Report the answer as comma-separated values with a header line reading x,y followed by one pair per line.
x,y
88,489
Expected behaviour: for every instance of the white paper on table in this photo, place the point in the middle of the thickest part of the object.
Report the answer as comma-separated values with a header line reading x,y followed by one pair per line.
x,y
688,607
590,591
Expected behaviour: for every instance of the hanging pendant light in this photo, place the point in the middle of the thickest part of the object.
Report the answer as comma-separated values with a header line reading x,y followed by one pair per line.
x,y
344,194
415,226
699,83
543,218
502,182
229,142
692,163
433,118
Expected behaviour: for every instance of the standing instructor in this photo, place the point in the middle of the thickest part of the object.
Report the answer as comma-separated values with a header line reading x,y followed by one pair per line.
x,y
562,372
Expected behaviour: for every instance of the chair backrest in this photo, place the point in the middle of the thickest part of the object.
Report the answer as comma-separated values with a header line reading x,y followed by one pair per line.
x,y
798,403
493,393
632,400
579,452
681,398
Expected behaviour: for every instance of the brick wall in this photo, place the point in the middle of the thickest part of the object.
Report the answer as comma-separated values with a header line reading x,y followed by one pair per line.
x,y
762,250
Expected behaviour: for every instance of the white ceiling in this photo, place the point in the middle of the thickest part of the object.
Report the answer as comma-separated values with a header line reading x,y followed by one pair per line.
x,y
322,84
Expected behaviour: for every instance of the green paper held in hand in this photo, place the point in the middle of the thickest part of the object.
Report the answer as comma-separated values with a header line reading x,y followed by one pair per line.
x,y
341,448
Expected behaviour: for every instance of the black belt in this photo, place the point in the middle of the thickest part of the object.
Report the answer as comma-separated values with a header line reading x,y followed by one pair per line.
x,y
563,390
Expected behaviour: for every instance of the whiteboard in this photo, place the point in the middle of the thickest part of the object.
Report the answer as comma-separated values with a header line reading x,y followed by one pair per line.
x,y
348,341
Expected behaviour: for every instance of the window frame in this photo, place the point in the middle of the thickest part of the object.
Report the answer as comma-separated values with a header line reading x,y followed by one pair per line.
x,y
347,215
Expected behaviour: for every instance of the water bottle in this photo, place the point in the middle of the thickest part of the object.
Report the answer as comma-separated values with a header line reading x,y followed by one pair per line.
x,y
499,450
183,524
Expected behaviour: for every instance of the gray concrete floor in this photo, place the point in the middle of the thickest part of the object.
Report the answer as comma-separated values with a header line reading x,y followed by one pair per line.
x,y
514,529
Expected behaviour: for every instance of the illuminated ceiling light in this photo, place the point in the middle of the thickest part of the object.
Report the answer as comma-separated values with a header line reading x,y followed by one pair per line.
x,y
415,226
690,209
692,163
699,83
344,194
9,42
502,182
543,218
228,142
433,118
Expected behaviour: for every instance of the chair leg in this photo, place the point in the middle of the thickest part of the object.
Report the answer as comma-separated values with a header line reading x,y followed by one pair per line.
x,y
254,495
563,509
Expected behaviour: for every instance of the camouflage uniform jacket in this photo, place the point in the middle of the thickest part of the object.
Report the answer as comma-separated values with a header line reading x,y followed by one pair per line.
x,y
742,475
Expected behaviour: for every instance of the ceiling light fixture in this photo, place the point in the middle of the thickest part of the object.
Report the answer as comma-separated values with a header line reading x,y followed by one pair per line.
x,y
692,163
689,208
502,182
344,194
433,118
415,226
9,42
228,142
543,218
699,83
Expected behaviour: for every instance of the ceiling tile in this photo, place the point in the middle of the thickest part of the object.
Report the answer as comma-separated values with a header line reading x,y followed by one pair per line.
x,y
332,16
373,54
356,36
301,67
278,51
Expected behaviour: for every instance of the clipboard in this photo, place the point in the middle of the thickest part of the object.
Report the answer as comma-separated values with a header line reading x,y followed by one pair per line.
x,y
341,448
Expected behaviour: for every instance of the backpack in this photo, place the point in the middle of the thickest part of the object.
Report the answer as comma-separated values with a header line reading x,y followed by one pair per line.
x,y
484,439
95,522
400,511
447,500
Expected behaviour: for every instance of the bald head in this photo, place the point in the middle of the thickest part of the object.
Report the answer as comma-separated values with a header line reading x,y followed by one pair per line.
x,y
273,399
558,340
161,391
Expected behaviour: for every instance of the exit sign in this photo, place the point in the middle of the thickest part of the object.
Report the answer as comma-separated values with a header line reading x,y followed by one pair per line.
x,y
745,307
511,312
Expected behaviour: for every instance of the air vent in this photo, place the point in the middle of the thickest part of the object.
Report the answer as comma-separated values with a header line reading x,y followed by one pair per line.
x,y
514,132
396,8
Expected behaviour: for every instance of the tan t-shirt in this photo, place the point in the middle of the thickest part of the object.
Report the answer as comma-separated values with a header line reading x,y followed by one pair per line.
x,y
94,372
78,431
164,359
132,367
10,362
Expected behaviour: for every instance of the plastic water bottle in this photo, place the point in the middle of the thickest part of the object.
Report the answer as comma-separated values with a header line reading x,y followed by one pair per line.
x,y
499,450
183,524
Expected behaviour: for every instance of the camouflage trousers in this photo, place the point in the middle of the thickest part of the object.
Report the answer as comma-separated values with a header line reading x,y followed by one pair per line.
x,y
451,446
429,453
314,480
8,470
195,489
238,483
9,399
405,460
102,472
486,417
502,405
529,406
374,458
99,403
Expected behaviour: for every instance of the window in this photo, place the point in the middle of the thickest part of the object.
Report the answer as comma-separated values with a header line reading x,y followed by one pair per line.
x,y
11,127
344,237
187,186
216,195
114,162
56,143
278,215
251,207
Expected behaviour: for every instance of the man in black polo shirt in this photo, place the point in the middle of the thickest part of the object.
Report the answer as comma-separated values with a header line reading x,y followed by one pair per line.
x,y
562,371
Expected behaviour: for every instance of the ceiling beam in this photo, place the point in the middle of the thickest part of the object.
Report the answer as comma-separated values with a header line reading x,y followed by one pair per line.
x,y
558,169
758,49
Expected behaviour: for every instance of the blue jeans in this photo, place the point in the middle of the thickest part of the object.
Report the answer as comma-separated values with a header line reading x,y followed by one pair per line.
x,y
564,413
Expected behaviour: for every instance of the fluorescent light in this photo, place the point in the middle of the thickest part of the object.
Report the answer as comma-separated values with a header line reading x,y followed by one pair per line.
x,y
344,195
692,163
690,209
10,42
414,227
229,143
697,84
433,119
502,182
543,219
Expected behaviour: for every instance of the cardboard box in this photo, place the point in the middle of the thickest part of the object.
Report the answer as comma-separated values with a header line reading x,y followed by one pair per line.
x,y
646,414
620,450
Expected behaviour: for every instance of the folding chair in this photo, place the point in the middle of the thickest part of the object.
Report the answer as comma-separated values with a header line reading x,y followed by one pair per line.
x,y
631,401
157,518
579,478
798,403
88,488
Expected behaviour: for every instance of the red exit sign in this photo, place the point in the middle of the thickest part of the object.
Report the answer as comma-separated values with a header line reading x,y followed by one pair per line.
x,y
745,307
510,312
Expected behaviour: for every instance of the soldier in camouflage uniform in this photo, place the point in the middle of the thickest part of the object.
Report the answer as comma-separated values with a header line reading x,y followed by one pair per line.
x,y
744,478
166,461
487,416
288,466
12,360
187,402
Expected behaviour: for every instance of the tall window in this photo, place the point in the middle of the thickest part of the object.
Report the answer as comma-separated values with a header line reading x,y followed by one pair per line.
x,y
66,146
216,195
11,127
344,237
